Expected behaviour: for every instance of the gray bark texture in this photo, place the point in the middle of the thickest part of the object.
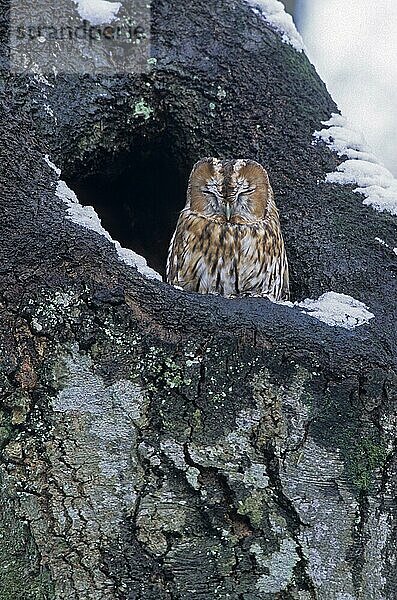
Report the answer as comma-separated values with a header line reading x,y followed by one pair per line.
x,y
289,6
160,445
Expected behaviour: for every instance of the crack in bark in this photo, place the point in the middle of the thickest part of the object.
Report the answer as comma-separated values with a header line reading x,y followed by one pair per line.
x,y
292,517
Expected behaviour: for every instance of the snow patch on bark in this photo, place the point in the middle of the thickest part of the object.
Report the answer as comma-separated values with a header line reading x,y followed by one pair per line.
x,y
385,245
337,310
274,13
51,165
374,181
98,11
88,218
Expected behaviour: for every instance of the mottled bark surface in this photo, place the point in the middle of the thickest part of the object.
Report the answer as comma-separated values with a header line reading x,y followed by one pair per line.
x,y
162,445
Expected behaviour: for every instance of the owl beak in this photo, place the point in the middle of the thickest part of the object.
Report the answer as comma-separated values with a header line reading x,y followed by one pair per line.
x,y
228,211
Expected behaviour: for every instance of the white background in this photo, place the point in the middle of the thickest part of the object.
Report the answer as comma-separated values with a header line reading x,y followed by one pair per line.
x,y
353,44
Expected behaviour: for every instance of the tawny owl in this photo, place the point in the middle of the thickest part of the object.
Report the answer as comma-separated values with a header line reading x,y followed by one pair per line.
x,y
228,239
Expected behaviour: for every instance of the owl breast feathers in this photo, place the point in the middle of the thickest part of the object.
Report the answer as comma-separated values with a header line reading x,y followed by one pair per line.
x,y
228,239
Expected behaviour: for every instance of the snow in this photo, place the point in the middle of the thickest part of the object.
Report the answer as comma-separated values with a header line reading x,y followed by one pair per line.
x,y
361,168
98,11
88,218
50,112
40,78
51,165
274,13
337,310
385,244
345,140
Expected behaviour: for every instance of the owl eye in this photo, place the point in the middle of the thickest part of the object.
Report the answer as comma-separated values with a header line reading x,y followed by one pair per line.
x,y
245,193
210,194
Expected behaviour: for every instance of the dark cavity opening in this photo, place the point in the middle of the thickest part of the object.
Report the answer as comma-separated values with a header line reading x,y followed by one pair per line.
x,y
138,197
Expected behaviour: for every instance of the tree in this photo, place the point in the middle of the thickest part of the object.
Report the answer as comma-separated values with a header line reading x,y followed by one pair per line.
x,y
290,6
163,445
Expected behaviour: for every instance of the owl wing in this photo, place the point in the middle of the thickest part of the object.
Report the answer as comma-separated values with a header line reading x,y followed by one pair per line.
x,y
180,252
172,259
276,257
285,295
276,280
262,264
194,255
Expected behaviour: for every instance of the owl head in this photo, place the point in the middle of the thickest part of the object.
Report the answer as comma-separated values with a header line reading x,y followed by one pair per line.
x,y
234,191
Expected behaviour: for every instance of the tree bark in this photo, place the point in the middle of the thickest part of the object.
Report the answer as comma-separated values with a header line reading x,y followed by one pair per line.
x,y
289,6
163,445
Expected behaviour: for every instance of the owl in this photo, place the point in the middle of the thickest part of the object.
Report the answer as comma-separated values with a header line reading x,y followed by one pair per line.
x,y
228,239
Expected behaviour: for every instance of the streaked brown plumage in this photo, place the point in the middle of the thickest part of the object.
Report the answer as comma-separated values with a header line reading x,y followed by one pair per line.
x,y
228,239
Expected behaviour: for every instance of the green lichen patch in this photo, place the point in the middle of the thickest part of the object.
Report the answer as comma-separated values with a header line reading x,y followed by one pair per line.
x,y
142,109
253,507
368,457
21,575
162,371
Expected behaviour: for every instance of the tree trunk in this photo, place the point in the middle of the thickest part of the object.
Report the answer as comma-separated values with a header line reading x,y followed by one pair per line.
x,y
157,444
289,6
